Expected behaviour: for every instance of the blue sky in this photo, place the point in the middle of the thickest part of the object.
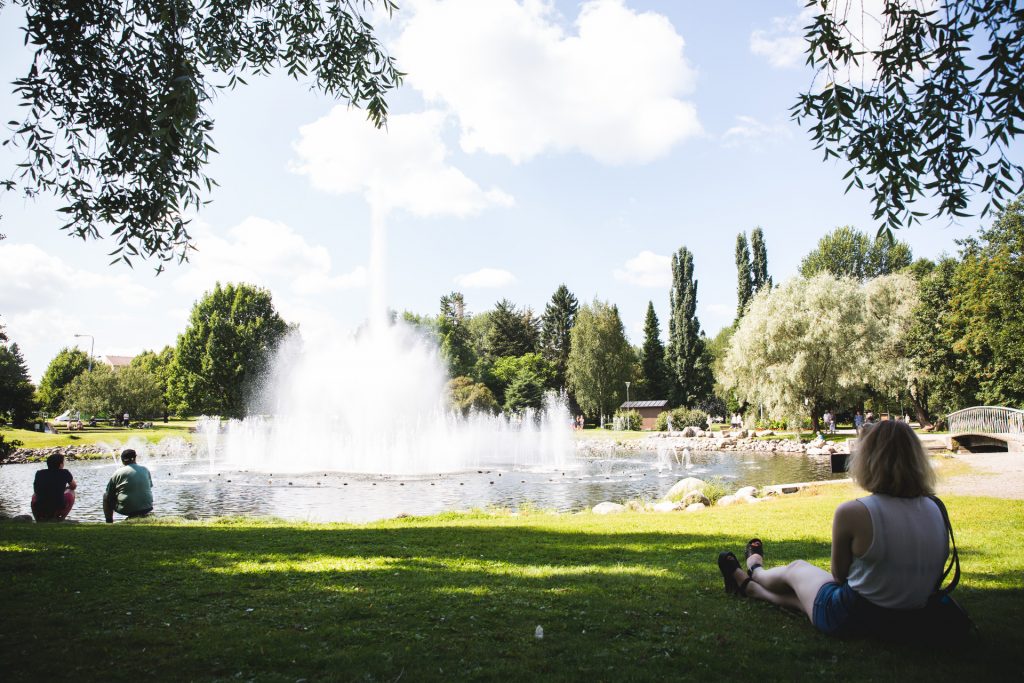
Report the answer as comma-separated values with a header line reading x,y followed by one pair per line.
x,y
533,144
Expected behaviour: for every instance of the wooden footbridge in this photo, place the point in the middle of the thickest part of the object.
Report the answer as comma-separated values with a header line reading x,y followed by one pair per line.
x,y
987,428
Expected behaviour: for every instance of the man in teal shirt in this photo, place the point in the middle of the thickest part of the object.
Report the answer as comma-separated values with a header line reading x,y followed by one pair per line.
x,y
130,490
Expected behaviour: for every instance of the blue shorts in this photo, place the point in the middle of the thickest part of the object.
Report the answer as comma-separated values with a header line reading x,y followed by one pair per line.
x,y
839,611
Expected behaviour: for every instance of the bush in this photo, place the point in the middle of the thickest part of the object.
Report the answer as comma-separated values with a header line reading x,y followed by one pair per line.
x,y
681,418
465,396
775,425
8,447
628,420
716,488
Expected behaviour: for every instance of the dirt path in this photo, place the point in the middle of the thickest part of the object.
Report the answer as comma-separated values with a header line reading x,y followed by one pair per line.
x,y
998,475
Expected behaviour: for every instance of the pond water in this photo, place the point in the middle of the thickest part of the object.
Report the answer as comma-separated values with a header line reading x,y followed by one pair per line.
x,y
186,486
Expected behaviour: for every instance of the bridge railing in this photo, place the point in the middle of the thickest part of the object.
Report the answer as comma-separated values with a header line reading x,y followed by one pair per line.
x,y
987,420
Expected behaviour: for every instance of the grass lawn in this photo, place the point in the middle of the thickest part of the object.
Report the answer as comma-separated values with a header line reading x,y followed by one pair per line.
x,y
97,435
610,435
620,598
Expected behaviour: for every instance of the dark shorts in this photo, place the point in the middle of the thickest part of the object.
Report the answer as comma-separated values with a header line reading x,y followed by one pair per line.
x,y
839,611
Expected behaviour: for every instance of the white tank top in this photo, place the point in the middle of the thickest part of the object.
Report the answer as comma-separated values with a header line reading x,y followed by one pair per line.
x,y
908,552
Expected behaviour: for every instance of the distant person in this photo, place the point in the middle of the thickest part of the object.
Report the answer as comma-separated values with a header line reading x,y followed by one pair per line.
x,y
858,421
869,418
125,421
827,419
129,491
53,491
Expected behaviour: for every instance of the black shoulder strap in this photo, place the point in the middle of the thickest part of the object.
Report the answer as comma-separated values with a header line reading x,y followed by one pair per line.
x,y
954,560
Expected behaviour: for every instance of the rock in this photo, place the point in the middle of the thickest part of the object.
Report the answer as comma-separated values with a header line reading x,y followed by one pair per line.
x,y
817,443
22,518
746,491
689,432
748,499
682,487
725,501
665,506
814,450
608,507
750,433
765,432
695,507
695,496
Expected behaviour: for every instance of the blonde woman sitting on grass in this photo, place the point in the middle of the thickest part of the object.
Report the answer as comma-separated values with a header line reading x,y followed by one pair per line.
x,y
888,548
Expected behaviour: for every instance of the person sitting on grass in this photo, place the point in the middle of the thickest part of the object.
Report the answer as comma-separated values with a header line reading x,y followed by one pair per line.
x,y
888,548
129,491
53,491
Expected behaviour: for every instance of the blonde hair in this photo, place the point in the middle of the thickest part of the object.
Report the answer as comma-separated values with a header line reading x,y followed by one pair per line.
x,y
890,459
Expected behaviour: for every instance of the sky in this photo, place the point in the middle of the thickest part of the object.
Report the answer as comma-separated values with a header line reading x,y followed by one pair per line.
x,y
533,143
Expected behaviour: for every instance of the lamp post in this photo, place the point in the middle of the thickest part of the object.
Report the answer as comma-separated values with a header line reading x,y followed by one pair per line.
x,y
92,347
627,391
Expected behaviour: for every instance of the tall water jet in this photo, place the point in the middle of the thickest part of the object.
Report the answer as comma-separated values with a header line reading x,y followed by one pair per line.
x,y
375,402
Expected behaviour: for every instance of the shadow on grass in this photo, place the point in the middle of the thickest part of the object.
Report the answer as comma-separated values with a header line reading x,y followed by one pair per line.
x,y
425,602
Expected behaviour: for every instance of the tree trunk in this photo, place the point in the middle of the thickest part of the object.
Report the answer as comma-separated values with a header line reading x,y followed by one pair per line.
x,y
919,400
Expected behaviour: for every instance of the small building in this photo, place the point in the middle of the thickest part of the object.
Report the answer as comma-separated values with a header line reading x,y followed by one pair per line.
x,y
116,362
649,411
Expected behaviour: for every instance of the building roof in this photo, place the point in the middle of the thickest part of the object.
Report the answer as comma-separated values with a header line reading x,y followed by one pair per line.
x,y
117,361
644,404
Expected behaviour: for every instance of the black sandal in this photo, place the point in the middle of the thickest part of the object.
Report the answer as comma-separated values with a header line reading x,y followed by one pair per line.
x,y
754,547
728,564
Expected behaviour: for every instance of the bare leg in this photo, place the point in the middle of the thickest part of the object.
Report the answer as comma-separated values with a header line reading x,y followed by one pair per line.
x,y
796,585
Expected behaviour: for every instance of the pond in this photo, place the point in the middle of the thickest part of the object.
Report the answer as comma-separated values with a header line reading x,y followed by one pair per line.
x,y
186,486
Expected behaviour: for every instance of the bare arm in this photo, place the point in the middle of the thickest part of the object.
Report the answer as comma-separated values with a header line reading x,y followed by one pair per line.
x,y
851,536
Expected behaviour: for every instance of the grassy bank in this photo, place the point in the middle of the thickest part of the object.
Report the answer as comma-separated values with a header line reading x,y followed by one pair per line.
x,y
627,597
99,435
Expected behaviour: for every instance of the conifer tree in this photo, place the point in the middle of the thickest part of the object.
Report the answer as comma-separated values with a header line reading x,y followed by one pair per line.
x,y
453,330
744,287
652,360
759,277
687,360
556,326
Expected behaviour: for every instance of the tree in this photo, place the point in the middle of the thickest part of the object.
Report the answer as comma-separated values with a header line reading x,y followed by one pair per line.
x,y
984,311
819,343
116,97
466,396
556,326
934,108
846,252
686,356
94,393
652,358
759,277
138,393
456,340
17,395
600,359
511,332
159,366
525,392
744,286
65,366
506,371
231,336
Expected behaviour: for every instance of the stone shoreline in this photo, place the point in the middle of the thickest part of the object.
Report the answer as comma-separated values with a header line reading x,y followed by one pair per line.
x,y
696,440
72,453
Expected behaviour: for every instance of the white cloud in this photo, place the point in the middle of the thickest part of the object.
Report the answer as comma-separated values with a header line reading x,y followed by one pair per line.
x,y
35,279
646,269
401,167
485,278
520,85
783,44
266,253
749,132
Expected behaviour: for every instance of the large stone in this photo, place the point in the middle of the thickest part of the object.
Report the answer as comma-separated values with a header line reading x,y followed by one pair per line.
x,y
22,518
725,501
665,506
765,432
682,487
689,432
608,507
695,496
746,491
695,507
